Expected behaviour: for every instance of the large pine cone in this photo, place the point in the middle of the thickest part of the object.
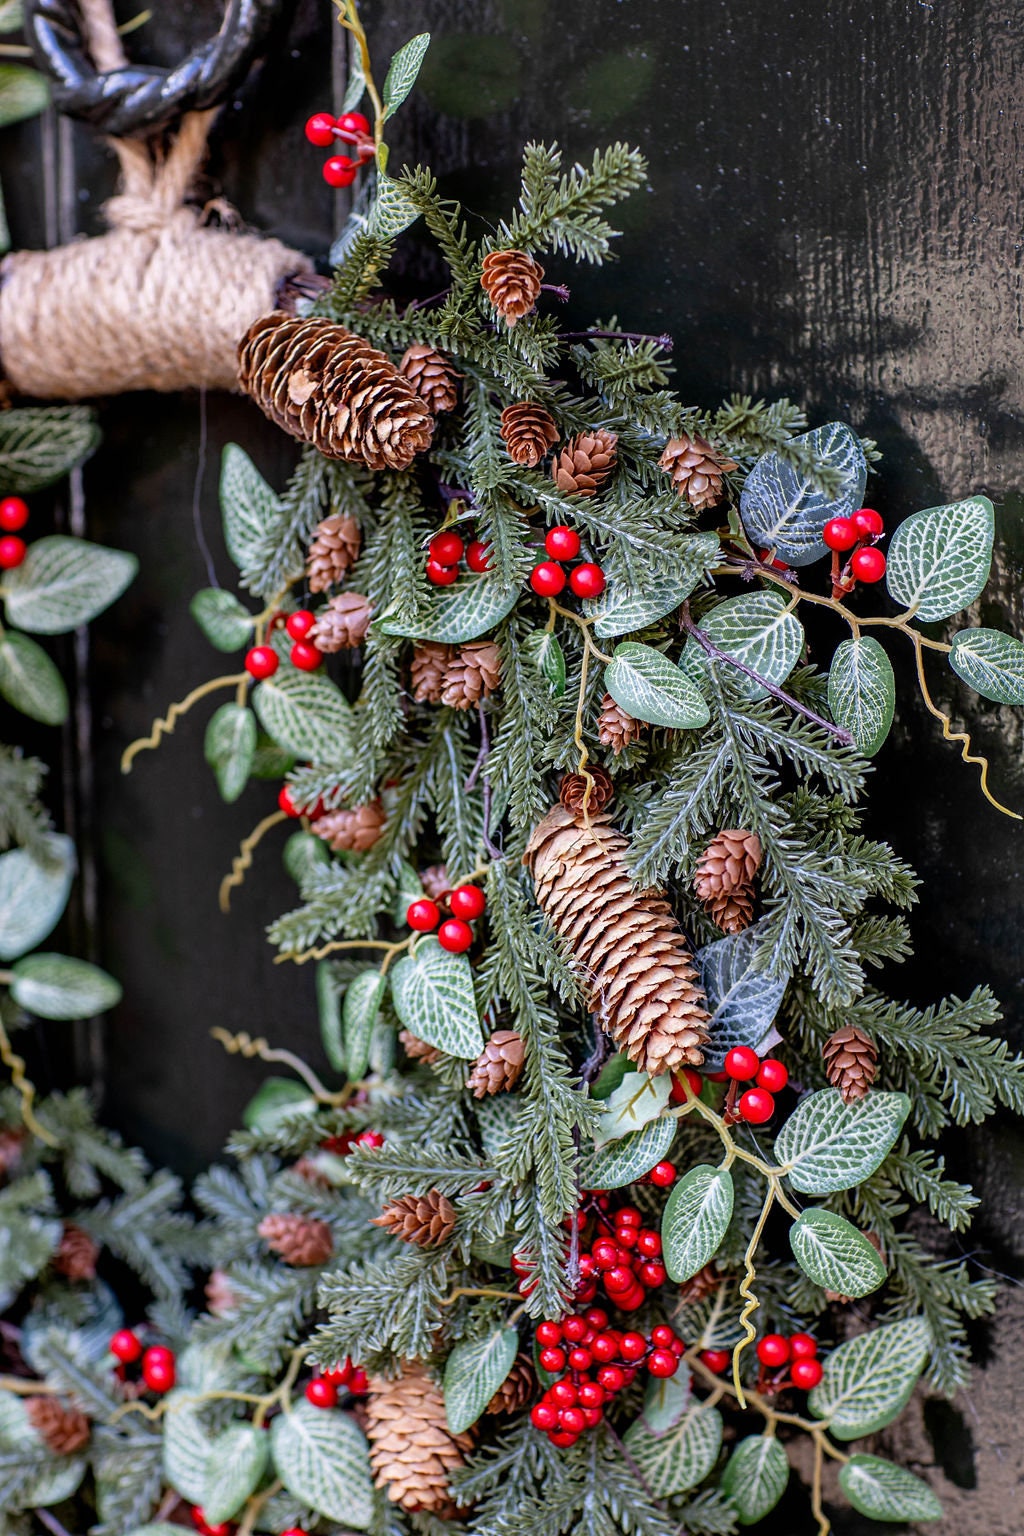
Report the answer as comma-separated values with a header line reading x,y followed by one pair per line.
x,y
724,881
511,280
76,1254
333,552
516,1390
472,673
499,1065
63,1429
330,388
585,463
351,831
851,1062
300,1240
627,949
431,376
428,670
342,625
427,1220
412,1451
528,432
697,471
615,728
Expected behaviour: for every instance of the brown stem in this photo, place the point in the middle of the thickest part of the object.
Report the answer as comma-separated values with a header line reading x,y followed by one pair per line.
x,y
559,290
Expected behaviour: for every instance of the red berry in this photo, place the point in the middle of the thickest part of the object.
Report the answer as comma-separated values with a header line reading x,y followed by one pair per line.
x,y
285,802
197,1517
300,623
756,1106
320,129
321,1393
562,1438
662,1363
13,514
354,122
773,1350
693,1080
604,1348
158,1369
468,902
652,1274
423,915
340,171
591,1417
716,1360
868,523
580,1359
293,1530
125,1346
222,1528
442,575
649,1244
867,565
803,1347
305,655
587,580
633,1298
563,1393
605,1253
618,1281
662,1336
587,1266
806,1374
446,548
478,556
371,1139
632,1346
260,662
597,1317
628,1216
12,552
663,1174
572,1420
586,1291
543,1416
547,579
339,1377
773,1075
742,1063
359,1382
549,1334
591,1394
575,1329
455,936
612,1378
562,543
552,1359
627,1237
839,533
677,1347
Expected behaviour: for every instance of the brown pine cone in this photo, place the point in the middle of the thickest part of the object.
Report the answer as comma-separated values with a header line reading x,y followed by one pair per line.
x,y
64,1430
585,463
333,552
572,792
300,1240
499,1065
837,1296
12,1145
851,1062
432,377
697,471
615,728
427,672
511,280
427,1220
412,1450
516,1390
220,1298
351,831
699,1286
436,882
325,386
76,1254
472,674
528,431
627,950
417,1049
724,881
342,625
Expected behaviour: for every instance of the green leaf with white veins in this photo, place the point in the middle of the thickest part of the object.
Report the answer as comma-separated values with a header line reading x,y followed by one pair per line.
x,y
754,629
432,991
826,1145
743,998
186,1445
621,610
305,713
402,71
225,622
462,612
666,1399
991,662
649,687
680,1458
755,1477
41,444
248,505
543,650
785,509
362,1006
63,582
883,1491
635,1102
474,1371
229,747
33,893
939,559
328,1003
321,1457
862,692
868,1381
835,1255
624,1161
57,987
30,681
696,1218
236,1462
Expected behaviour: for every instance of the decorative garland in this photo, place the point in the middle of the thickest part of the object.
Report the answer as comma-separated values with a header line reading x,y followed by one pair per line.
x,y
615,1129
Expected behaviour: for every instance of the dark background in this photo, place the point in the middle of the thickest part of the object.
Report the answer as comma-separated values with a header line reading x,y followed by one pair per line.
x,y
834,213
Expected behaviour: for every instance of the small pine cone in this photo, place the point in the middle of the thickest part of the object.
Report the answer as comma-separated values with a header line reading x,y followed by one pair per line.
x,y
699,1286
499,1065
472,674
724,881
76,1254
220,1298
309,1170
412,1450
351,831
529,432
330,388
427,672
516,1390
436,882
12,1144
342,625
572,791
615,728
851,1061
64,1430
697,470
511,280
300,1240
417,1049
585,463
333,552
426,1220
431,376
876,1243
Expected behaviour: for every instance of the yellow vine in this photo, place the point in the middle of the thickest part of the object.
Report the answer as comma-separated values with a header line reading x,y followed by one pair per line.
x,y
243,859
25,1087
243,1044
165,725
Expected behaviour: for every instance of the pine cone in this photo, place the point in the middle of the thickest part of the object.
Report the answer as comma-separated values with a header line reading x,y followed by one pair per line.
x,y
12,1145
572,792
351,831
333,552
342,625
699,1286
330,388
511,280
412,1451
837,1296
585,463
300,1240
427,1220
615,728
851,1061
436,882
626,947
697,470
427,672
471,674
724,881
528,431
431,376
516,1390
220,1298
499,1065
64,1430
417,1049
76,1254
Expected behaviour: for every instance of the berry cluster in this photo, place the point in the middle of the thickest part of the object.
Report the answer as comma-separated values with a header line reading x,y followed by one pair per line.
x,y
859,533
342,1145
466,903
548,578
791,1362
598,1361
158,1367
445,552
13,517
303,654
756,1105
323,1389
351,128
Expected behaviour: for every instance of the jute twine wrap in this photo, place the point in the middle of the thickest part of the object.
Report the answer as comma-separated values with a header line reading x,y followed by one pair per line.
x,y
161,301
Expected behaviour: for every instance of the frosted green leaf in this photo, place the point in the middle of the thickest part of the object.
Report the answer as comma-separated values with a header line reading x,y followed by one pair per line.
x,y
543,650
666,1399
433,996
27,1243
868,1381
786,510
754,629
321,1457
30,681
862,692
474,1371
52,1483
363,998
12,15
229,747
939,559
225,622
649,687
235,1464
621,610
249,507
456,614
186,1445
57,987
835,1255
275,1100
303,853
742,999
637,1100
41,444
827,1145
328,1002
402,71
696,1217
628,1159
306,714
991,662
23,93
680,1458
64,582
755,1477
883,1491
392,212
33,893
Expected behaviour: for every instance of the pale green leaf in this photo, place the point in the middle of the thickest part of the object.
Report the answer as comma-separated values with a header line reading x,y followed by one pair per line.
x,y
628,1159
64,582
363,998
827,1145
248,505
883,1491
33,893
432,991
939,559
40,444
755,1477
991,662
474,1371
186,1445
12,15
402,71
225,622
649,687
235,1464
785,509
229,747
23,93
743,998
58,987
696,1217
835,1255
305,713
30,681
392,212
459,613
276,1099
622,610
862,692
681,1457
542,650
666,1399
303,853
756,630
867,1382
328,1002
321,1457
637,1100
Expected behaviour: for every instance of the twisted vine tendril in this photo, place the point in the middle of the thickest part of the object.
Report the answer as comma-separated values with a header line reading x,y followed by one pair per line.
x,y
243,858
164,726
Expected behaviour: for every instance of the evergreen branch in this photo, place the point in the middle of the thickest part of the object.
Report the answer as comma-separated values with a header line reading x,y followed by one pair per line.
x,y
561,212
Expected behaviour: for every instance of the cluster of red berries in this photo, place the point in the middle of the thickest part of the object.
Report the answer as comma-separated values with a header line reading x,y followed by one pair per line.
x,y
859,533
466,903
262,661
548,578
625,1256
445,552
13,516
352,128
793,1361
323,1389
342,1145
598,1361
158,1369
756,1105
226,1527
